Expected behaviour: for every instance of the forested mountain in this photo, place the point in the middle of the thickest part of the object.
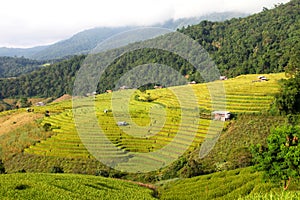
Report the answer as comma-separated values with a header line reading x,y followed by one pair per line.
x,y
85,41
51,81
80,43
214,17
261,43
13,66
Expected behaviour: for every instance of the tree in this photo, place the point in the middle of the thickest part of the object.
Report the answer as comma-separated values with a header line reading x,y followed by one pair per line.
x,y
288,99
280,160
24,102
292,68
56,169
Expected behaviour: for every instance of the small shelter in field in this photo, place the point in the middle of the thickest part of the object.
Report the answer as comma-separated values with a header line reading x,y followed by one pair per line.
x,y
192,82
158,87
222,78
122,123
124,87
40,104
221,115
262,78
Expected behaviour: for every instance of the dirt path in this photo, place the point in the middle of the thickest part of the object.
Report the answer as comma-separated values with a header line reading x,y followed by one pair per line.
x,y
16,120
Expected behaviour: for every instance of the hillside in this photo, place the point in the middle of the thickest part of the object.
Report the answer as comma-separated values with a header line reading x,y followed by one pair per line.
x,y
238,184
51,81
19,52
83,42
13,66
59,141
68,186
80,43
43,143
260,43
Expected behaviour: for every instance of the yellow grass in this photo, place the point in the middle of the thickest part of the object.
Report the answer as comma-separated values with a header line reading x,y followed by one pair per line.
x,y
13,121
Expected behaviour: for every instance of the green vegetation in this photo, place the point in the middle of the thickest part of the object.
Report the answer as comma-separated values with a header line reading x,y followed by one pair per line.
x,y
12,66
235,184
280,159
232,149
272,195
47,140
260,43
243,96
52,144
288,99
80,43
52,81
68,186
85,41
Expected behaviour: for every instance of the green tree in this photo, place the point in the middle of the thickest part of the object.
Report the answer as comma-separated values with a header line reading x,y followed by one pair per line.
x,y
280,160
24,102
288,99
292,68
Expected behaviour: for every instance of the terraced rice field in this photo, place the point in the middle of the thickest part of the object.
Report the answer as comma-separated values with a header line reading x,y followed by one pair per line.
x,y
172,118
68,186
240,184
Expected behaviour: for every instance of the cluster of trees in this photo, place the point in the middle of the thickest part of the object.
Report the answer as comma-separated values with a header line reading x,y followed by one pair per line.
x,y
13,66
280,159
142,57
288,99
52,81
260,43
58,79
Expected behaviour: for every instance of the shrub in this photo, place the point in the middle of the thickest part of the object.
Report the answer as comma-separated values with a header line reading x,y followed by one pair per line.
x,y
47,126
2,168
56,169
102,173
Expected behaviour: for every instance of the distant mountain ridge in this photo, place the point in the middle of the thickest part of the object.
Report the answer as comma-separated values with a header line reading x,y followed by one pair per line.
x,y
19,52
85,41
261,43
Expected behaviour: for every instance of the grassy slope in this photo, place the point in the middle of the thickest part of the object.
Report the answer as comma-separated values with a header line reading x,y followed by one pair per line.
x,y
65,149
68,186
235,184
240,183
248,128
232,149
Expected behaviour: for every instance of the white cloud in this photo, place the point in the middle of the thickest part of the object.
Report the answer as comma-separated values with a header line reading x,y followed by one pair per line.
x,y
34,22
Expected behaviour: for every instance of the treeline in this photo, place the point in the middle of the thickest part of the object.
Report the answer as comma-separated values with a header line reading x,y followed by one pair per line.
x,y
58,79
14,66
51,81
142,57
261,43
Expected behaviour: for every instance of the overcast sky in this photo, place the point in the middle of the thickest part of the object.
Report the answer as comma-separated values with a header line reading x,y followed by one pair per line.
x,y
27,23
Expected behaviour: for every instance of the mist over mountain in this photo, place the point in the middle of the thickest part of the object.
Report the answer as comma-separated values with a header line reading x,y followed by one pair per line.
x,y
19,52
85,41
260,43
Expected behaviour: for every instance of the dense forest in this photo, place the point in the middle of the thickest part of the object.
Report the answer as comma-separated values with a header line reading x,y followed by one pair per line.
x,y
261,43
14,66
53,80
